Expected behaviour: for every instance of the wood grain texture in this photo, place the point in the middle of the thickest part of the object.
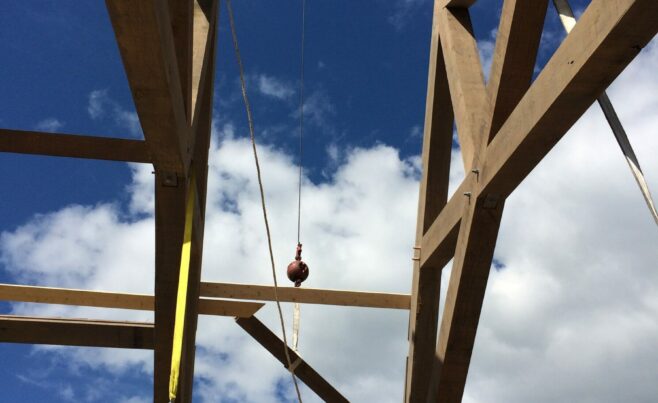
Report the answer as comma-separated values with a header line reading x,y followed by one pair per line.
x,y
468,279
609,35
517,41
465,80
305,295
203,69
144,35
587,61
75,332
104,299
73,146
433,194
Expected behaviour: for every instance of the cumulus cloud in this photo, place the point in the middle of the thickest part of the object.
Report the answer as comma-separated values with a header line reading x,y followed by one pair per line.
x,y
345,220
101,106
404,11
318,109
273,87
49,125
570,315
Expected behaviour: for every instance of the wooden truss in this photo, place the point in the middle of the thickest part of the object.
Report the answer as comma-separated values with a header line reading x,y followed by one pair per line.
x,y
505,128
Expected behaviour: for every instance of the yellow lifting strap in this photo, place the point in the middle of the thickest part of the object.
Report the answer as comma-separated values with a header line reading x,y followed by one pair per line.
x,y
181,298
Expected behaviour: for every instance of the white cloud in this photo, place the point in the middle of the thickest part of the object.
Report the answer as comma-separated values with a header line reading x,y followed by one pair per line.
x,y
404,11
273,87
135,399
573,316
318,109
96,103
49,125
100,105
416,132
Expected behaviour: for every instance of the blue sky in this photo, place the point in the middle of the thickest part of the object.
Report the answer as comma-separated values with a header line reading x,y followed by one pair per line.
x,y
365,82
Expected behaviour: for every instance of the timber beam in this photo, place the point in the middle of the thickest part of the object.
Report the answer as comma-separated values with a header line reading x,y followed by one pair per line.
x,y
303,371
75,332
145,38
103,299
305,295
73,146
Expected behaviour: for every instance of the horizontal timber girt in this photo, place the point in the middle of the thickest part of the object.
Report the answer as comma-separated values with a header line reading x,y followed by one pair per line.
x,y
75,332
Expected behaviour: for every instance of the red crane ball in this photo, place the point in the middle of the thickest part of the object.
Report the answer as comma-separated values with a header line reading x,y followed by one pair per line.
x,y
297,269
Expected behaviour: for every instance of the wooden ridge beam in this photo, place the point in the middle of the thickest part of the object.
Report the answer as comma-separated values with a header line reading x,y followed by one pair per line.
x,y
304,372
104,299
145,38
75,332
73,146
305,295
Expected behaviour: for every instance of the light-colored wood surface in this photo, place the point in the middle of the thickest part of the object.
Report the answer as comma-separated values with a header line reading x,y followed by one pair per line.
x,y
146,43
73,146
514,59
305,295
75,332
517,40
104,299
606,39
304,372
433,194
203,70
468,280
465,80
158,49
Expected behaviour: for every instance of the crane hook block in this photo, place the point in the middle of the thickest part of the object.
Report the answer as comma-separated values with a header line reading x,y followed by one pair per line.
x,y
297,269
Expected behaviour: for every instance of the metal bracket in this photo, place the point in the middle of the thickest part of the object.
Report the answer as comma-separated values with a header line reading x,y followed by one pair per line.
x,y
170,179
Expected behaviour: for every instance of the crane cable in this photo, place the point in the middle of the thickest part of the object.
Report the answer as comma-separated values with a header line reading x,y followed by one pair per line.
x,y
296,308
262,193
568,20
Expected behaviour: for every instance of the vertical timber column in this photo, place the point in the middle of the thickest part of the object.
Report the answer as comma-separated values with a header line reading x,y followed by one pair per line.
x,y
437,146
205,28
170,197
514,58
